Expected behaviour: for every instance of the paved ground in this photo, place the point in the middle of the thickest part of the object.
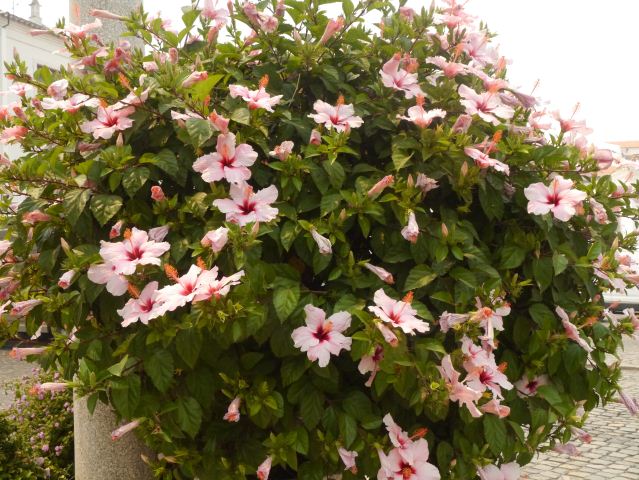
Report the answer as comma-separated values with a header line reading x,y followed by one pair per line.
x,y
613,453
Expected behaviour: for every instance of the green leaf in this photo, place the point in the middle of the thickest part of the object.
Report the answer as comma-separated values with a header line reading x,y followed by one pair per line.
x,y
74,203
419,276
134,179
241,115
543,316
512,256
312,408
160,368
188,344
347,429
285,297
125,395
329,203
117,369
288,234
104,207
336,173
491,202
543,270
495,433
559,262
167,161
189,415
200,130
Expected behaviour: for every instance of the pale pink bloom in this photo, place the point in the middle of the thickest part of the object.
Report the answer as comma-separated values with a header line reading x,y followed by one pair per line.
x,y
216,239
142,309
399,79
246,207
508,471
569,449
219,122
108,121
150,66
475,357
598,211
50,387
20,309
133,251
36,216
323,243
571,330
209,286
410,463
233,412
115,229
457,391
322,336
383,274
570,125
105,14
133,99
581,434
630,403
482,160
411,231
65,280
388,334
71,105
22,353
316,138
540,120
216,11
448,320
462,124
450,69
348,458
157,194
264,469
398,437
370,363
20,89
106,273
229,161
4,246
58,89
158,234
490,319
180,293
491,84
407,13
604,158
487,105
259,98
529,386
398,313
422,118
13,134
488,377
4,160
476,45
559,198
332,27
124,429
425,183
495,408
340,117
515,98
283,150
194,78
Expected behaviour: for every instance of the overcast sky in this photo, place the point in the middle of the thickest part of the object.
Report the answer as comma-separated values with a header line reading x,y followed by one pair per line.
x,y
582,51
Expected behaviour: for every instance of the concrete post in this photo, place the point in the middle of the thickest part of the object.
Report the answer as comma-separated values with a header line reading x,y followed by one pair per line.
x,y
97,457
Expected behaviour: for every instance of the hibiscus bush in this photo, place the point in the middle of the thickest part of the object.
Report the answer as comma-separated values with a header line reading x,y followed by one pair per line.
x,y
294,243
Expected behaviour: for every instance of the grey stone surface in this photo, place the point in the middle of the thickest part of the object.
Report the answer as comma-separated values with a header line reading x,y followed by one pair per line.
x,y
97,457
10,369
111,29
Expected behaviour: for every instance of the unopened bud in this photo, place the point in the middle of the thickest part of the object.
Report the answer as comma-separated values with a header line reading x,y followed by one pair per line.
x,y
444,230
464,169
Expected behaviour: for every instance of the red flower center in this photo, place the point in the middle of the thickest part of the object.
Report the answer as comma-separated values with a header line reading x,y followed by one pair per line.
x,y
323,332
247,207
407,471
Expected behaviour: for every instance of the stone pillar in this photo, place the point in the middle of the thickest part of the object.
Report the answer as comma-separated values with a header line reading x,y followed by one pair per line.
x,y
111,30
97,457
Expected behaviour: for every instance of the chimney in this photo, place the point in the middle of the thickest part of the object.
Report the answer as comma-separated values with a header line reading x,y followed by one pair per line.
x,y
35,12
111,30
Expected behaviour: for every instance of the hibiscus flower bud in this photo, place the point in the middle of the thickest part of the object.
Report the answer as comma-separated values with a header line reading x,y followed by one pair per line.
x,y
124,429
407,13
119,140
157,194
444,231
381,185
316,138
66,279
323,243
216,239
115,229
388,334
105,14
194,78
264,469
22,353
233,412
462,124
348,458
332,27
381,273
173,55
411,231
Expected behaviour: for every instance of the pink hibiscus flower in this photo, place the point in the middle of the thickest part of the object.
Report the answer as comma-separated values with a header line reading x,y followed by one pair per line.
x,y
322,336
340,117
142,309
420,117
13,134
572,332
508,471
458,391
348,458
245,206
136,249
399,79
488,377
233,412
22,353
529,386
181,292
482,160
494,407
230,162
398,313
381,273
264,469
209,286
398,437
283,150
65,279
410,463
216,239
487,105
256,98
108,121
370,363
491,319
450,69
411,231
559,198
106,273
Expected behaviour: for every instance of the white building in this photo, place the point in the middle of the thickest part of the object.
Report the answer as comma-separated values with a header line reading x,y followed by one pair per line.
x,y
36,51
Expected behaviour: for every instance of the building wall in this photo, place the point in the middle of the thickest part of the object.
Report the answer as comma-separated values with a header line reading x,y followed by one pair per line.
x,y
34,50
